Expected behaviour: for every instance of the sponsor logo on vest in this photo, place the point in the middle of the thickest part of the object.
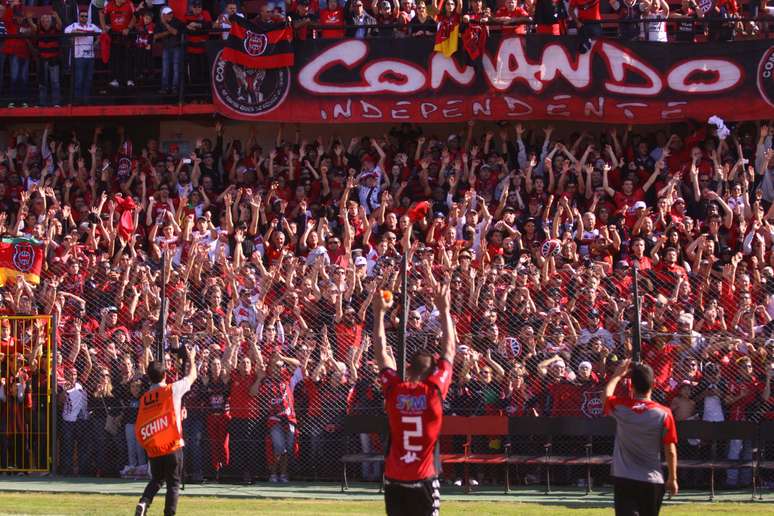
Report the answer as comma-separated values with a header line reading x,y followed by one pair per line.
x,y
155,426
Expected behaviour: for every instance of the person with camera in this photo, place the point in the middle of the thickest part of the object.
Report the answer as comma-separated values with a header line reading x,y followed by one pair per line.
x,y
160,432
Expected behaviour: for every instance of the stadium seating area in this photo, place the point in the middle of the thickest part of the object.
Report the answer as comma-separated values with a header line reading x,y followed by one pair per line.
x,y
273,255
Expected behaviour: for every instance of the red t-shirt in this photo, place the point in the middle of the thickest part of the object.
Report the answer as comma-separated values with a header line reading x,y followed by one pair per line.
x,y
661,360
243,404
519,12
750,389
347,337
621,199
588,10
120,16
565,399
332,17
415,412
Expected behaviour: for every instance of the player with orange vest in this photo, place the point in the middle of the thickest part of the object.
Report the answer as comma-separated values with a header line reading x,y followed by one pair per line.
x,y
159,431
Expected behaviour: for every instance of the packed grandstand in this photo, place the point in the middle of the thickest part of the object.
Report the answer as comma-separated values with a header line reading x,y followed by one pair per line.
x,y
266,242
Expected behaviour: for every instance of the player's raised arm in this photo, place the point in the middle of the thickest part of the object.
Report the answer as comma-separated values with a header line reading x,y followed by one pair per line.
x,y
381,305
448,332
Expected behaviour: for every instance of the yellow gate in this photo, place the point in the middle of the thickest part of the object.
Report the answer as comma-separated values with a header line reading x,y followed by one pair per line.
x,y
26,382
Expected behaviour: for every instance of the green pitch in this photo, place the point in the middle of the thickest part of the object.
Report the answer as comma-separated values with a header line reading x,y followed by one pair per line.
x,y
93,504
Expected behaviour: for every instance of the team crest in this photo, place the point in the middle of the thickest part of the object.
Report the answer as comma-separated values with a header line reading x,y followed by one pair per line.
x,y
247,91
592,404
255,44
514,345
124,168
23,256
766,76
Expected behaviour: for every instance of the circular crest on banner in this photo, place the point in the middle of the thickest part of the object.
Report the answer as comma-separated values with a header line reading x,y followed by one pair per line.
x,y
255,44
766,76
248,91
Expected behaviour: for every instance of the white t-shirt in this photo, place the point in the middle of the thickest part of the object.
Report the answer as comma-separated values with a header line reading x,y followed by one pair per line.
x,y
602,333
713,409
84,46
75,404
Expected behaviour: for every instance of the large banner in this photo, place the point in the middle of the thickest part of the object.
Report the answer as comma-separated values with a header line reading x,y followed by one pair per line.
x,y
516,78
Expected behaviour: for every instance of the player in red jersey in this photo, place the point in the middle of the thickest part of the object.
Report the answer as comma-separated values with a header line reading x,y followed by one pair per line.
x,y
414,412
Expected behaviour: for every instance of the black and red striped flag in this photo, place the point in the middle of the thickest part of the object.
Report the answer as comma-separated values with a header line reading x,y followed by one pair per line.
x,y
268,45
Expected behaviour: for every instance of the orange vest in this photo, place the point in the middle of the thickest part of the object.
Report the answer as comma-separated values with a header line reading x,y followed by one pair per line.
x,y
156,427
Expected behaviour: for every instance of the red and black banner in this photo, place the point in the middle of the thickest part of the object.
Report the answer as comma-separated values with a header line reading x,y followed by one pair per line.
x,y
517,78
260,46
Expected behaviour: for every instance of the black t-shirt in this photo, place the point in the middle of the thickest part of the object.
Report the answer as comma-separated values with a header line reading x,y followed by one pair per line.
x,y
429,25
173,41
304,32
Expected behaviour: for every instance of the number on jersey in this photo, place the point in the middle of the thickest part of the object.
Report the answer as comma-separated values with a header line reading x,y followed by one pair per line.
x,y
415,422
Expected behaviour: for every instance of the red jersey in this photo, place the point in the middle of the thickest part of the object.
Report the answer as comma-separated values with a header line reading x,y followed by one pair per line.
x,y
662,361
749,390
519,12
415,412
332,17
278,394
588,10
243,404
120,15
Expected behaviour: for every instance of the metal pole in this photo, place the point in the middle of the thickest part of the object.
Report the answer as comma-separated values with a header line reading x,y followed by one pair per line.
x,y
404,311
637,323
162,330
181,77
71,59
52,358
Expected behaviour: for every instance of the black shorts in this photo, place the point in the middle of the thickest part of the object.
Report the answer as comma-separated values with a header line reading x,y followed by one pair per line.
x,y
636,497
420,498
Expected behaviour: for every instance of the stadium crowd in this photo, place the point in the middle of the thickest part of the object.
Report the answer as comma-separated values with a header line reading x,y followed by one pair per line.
x,y
274,255
149,46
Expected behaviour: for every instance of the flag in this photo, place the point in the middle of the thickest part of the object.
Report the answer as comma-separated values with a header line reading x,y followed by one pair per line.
x,y
448,34
264,46
126,208
20,256
474,40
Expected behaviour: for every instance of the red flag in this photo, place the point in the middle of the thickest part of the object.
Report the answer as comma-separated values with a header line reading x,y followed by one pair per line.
x,y
264,46
126,222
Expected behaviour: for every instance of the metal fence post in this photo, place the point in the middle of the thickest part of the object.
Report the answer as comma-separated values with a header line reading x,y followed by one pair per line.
x,y
53,355
162,330
637,323
181,78
404,311
72,71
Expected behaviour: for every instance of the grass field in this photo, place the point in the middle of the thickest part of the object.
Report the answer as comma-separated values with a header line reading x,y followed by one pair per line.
x,y
88,504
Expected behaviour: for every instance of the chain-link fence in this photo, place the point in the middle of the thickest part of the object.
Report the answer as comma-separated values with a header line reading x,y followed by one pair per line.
x,y
270,279
284,353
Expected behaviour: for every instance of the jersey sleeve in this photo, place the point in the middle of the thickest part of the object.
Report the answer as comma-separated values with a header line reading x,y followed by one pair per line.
x,y
670,429
441,378
389,378
179,388
610,404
